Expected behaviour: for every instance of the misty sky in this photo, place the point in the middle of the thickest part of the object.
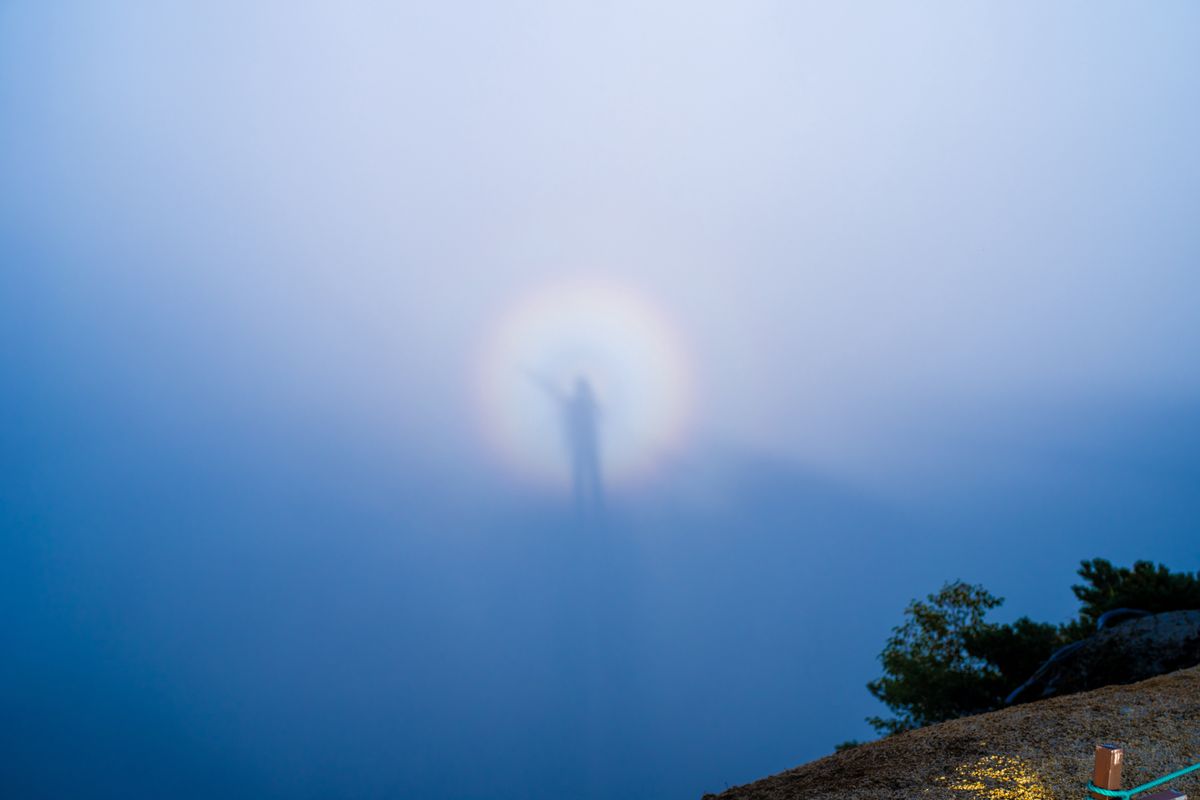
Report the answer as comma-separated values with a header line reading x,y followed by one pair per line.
x,y
932,271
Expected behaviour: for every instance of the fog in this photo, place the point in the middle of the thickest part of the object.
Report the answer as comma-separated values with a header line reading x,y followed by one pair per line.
x,y
913,290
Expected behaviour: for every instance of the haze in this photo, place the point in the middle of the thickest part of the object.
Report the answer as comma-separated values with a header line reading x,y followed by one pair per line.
x,y
932,273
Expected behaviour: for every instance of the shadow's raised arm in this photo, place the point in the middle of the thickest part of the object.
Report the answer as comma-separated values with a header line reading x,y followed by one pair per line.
x,y
545,384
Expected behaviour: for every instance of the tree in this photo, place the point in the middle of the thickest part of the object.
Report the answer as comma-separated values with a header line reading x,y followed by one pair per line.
x,y
947,661
1015,651
1146,587
930,674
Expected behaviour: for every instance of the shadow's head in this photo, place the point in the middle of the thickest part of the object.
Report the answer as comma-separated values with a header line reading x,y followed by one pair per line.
x,y
583,390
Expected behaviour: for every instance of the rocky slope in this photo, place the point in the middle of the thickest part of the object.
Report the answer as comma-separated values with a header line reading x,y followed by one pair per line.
x,y
1036,751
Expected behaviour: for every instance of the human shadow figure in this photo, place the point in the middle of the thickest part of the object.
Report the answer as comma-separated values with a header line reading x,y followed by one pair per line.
x,y
580,417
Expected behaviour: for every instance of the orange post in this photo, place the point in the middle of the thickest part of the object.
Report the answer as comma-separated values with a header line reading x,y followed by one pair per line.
x,y
1107,774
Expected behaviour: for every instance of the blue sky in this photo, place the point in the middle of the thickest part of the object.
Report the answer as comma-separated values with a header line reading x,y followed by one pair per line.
x,y
932,266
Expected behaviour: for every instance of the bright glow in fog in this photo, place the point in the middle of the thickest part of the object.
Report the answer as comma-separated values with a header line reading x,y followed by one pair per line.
x,y
615,339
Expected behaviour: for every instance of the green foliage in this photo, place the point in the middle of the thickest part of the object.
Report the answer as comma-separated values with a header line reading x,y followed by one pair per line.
x,y
1150,588
1014,652
930,675
849,744
947,661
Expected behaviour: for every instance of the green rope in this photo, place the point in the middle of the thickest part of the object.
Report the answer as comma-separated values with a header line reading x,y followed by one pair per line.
x,y
1125,794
